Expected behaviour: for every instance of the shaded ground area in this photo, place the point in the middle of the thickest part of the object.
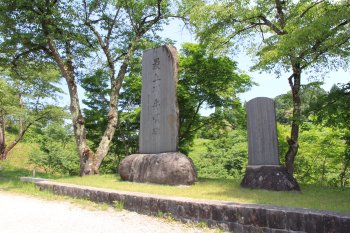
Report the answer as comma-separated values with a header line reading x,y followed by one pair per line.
x,y
27,214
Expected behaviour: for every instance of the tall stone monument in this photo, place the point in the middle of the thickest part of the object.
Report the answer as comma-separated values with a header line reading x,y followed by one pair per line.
x,y
158,160
263,170
159,110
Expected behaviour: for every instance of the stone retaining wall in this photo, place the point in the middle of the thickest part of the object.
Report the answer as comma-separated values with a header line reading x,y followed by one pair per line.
x,y
229,216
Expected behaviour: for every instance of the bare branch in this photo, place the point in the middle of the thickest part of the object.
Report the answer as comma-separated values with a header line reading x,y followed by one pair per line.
x,y
109,33
272,26
105,49
280,13
310,7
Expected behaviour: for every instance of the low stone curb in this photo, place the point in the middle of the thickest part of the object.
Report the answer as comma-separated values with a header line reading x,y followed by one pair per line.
x,y
227,215
32,179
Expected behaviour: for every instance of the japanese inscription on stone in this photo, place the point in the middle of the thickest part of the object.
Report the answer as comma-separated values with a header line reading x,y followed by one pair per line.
x,y
159,110
262,133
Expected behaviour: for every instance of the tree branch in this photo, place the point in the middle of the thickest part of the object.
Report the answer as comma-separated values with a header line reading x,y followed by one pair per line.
x,y
280,13
272,26
310,7
105,49
188,129
109,33
316,47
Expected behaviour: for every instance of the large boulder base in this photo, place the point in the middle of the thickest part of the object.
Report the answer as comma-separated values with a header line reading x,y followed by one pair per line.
x,y
269,177
171,168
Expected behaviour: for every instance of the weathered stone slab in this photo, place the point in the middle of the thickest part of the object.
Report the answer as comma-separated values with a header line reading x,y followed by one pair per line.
x,y
262,133
263,170
159,114
171,168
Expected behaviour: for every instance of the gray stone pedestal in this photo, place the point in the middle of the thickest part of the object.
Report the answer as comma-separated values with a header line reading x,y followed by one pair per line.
x,y
172,168
269,177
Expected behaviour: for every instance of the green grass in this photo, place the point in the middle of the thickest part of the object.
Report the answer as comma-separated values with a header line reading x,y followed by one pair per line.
x,y
10,182
313,197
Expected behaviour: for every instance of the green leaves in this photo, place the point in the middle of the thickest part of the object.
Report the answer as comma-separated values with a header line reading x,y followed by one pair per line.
x,y
223,157
58,152
312,33
8,100
208,81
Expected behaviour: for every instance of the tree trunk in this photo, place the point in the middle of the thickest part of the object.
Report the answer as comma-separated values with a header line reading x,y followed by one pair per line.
x,y
5,149
342,176
2,138
294,82
87,156
343,173
112,124
90,161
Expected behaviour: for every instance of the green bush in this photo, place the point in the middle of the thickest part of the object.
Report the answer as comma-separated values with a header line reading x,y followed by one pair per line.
x,y
320,155
57,153
225,157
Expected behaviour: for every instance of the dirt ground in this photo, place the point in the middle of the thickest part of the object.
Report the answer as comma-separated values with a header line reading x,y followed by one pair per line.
x,y
24,214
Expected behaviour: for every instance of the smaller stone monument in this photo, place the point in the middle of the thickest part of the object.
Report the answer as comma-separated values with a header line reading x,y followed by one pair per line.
x,y
159,160
263,170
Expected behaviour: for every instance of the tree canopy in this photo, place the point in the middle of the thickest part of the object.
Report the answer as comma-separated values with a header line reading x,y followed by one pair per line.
x,y
71,33
283,36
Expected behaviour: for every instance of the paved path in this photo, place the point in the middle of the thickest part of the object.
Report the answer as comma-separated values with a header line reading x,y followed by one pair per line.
x,y
23,214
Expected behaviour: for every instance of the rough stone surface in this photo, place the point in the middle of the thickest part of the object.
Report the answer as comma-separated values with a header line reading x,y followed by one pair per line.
x,y
159,110
263,170
269,177
262,133
229,216
171,168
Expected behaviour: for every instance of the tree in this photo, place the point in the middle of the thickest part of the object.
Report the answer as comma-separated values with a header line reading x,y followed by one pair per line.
x,y
295,36
321,155
25,92
57,152
215,84
210,81
309,93
332,110
67,32
223,157
7,102
125,140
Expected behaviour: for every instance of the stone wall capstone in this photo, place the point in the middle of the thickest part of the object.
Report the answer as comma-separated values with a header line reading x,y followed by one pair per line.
x,y
229,216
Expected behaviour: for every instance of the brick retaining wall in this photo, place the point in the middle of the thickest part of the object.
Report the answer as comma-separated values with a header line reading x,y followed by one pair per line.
x,y
229,216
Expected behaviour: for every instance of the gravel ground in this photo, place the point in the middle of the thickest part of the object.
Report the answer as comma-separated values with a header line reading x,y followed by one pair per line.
x,y
23,214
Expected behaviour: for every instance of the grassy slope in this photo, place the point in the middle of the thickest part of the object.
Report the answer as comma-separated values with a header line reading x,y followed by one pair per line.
x,y
314,197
